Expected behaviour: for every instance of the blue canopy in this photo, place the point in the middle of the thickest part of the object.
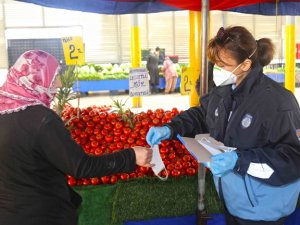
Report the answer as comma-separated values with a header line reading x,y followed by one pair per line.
x,y
262,7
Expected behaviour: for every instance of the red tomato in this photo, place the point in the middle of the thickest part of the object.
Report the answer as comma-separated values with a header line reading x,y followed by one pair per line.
x,y
105,179
126,130
94,144
124,176
191,171
71,181
118,125
130,140
175,173
113,179
95,180
98,151
109,138
155,121
186,158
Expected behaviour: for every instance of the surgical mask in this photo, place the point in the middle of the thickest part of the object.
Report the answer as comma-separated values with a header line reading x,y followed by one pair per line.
x,y
158,163
223,77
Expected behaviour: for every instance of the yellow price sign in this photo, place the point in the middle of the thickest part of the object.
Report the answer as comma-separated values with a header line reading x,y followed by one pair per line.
x,y
73,50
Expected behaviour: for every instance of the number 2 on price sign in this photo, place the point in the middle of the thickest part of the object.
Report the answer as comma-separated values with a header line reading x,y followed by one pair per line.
x,y
72,50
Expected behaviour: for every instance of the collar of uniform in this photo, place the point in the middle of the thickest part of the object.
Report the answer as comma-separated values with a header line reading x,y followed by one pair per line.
x,y
248,84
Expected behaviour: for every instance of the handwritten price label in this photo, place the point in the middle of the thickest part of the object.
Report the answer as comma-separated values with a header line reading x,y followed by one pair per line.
x,y
73,50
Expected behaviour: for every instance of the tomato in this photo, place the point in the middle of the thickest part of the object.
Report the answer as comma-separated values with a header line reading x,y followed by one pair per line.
x,y
186,158
98,151
168,115
144,169
132,175
186,164
124,176
190,171
172,155
130,140
118,125
94,144
117,132
163,150
126,130
99,137
105,179
143,132
108,126
89,130
85,181
170,167
90,123
123,137
96,119
95,180
175,173
85,119
178,166
71,181
145,122
120,145
113,179
109,138
155,121
134,134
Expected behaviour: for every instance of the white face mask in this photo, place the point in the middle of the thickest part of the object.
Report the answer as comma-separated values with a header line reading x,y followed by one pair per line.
x,y
223,77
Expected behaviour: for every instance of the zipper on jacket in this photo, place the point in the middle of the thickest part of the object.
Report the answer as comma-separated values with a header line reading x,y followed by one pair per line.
x,y
246,188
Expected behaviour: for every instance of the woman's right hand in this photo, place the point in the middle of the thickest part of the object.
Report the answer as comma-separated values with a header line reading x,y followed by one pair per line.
x,y
143,156
156,134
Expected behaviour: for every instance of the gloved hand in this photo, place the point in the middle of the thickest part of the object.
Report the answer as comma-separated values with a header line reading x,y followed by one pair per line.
x,y
156,134
222,163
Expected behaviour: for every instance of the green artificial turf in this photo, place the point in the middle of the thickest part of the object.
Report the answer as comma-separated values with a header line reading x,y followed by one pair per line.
x,y
148,198
144,199
96,204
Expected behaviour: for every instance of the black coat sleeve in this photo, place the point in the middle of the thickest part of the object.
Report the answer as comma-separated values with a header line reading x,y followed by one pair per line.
x,y
282,153
190,122
58,147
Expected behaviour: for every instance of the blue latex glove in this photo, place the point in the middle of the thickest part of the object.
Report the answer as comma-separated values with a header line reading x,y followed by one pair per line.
x,y
222,163
156,134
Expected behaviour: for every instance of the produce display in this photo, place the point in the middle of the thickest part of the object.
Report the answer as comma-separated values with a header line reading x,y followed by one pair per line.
x,y
99,131
110,71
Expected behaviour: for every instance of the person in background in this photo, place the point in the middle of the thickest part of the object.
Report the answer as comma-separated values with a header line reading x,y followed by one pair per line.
x,y
152,67
37,150
259,182
170,73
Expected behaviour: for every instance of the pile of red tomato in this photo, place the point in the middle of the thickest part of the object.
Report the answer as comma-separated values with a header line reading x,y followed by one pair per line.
x,y
99,132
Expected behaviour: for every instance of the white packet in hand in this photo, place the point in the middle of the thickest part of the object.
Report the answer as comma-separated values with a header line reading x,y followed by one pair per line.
x,y
158,163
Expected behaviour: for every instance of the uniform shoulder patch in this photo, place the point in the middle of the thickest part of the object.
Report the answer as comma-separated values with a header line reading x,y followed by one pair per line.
x,y
298,134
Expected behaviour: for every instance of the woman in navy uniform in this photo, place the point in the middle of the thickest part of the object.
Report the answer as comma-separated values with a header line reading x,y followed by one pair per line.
x,y
259,182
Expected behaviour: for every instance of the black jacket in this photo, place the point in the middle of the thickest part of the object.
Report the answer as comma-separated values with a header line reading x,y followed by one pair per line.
x,y
152,67
36,151
264,124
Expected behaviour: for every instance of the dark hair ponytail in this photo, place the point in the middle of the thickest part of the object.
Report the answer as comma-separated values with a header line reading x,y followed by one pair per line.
x,y
265,50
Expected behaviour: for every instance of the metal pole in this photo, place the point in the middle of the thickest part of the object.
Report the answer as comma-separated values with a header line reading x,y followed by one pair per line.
x,y
202,213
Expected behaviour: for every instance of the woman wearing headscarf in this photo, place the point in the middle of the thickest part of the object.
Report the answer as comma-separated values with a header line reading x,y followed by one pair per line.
x,y
36,150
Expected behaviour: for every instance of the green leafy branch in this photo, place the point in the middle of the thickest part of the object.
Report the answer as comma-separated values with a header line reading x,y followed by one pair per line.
x,y
126,115
65,94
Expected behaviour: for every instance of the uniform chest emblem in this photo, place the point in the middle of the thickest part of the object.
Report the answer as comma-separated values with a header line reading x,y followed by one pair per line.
x,y
246,121
216,112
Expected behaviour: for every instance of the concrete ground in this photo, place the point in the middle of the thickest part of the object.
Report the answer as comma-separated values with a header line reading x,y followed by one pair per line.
x,y
153,102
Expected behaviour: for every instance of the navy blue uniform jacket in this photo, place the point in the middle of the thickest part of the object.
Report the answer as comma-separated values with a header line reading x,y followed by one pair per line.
x,y
262,120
